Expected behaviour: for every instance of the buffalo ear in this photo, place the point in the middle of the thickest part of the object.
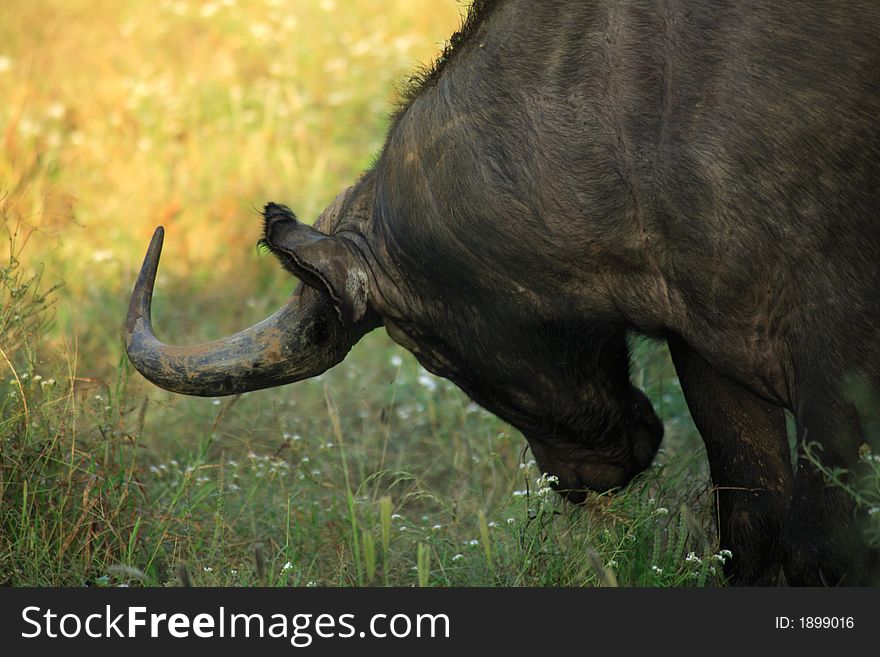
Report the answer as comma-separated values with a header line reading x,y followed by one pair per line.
x,y
323,262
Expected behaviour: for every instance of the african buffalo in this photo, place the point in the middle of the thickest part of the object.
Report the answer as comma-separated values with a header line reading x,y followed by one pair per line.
x,y
706,172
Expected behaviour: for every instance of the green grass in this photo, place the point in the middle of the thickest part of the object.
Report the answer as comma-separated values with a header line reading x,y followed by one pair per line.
x,y
375,473
123,115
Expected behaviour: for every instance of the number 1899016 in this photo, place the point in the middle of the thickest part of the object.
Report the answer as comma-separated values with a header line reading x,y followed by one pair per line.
x,y
826,622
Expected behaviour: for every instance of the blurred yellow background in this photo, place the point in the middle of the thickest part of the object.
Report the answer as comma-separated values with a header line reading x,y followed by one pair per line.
x,y
118,116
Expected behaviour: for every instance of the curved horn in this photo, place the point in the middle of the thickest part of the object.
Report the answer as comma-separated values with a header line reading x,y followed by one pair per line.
x,y
302,339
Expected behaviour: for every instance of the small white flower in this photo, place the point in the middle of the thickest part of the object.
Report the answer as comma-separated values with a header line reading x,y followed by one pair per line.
x,y
493,524
657,570
543,483
287,566
473,541
510,521
693,558
426,381
661,511
208,569
611,564
56,111
457,557
396,516
520,493
216,402
437,528
208,10
722,556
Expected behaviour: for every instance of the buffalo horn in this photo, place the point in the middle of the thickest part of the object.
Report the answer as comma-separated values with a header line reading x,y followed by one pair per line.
x,y
301,340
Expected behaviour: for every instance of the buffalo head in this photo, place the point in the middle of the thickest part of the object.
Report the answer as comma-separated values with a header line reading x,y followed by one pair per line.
x,y
561,380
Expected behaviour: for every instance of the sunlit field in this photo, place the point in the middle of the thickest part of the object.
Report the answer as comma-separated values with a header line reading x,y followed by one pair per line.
x,y
118,116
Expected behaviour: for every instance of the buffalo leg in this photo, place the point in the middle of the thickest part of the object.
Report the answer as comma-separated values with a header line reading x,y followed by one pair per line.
x,y
750,462
825,543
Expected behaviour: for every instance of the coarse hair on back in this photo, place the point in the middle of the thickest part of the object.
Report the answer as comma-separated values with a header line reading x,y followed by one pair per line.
x,y
426,75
